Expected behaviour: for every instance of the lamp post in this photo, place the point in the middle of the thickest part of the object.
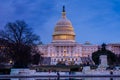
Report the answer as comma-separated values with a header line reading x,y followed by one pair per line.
x,y
10,61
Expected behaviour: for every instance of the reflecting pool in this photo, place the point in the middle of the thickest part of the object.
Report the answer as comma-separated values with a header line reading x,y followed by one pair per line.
x,y
65,78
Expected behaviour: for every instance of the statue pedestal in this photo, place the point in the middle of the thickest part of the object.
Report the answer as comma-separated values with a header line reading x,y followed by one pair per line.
x,y
101,67
103,62
86,69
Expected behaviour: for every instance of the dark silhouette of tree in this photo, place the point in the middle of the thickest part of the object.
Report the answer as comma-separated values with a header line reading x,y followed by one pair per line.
x,y
4,58
103,51
37,56
20,41
36,59
118,59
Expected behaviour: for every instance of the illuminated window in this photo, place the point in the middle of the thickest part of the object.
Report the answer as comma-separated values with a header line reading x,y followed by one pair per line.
x,y
52,54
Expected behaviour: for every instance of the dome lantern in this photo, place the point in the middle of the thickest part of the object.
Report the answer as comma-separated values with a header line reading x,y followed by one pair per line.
x,y
63,12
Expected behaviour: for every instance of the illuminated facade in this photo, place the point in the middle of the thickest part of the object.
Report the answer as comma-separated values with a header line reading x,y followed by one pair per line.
x,y
114,47
65,49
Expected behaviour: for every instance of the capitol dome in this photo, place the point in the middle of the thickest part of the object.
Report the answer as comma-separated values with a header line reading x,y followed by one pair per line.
x,y
63,30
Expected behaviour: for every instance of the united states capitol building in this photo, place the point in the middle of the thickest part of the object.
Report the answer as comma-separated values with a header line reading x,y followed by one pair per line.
x,y
64,48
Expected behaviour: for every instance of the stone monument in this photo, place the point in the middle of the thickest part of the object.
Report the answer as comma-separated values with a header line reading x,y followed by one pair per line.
x,y
103,62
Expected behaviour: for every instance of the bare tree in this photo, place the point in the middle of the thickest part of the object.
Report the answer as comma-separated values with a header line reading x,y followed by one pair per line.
x,y
20,41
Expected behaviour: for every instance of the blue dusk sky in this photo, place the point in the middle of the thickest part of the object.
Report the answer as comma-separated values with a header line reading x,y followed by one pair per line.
x,y
96,21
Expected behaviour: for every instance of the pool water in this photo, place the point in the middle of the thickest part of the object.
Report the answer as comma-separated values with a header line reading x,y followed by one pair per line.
x,y
65,78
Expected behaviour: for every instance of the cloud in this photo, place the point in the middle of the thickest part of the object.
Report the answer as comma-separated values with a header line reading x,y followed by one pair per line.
x,y
28,10
93,20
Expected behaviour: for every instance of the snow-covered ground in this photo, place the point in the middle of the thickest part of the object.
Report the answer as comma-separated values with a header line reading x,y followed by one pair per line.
x,y
47,75
91,72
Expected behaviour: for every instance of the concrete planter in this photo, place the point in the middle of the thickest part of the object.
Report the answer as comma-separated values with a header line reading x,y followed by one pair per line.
x,y
22,72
